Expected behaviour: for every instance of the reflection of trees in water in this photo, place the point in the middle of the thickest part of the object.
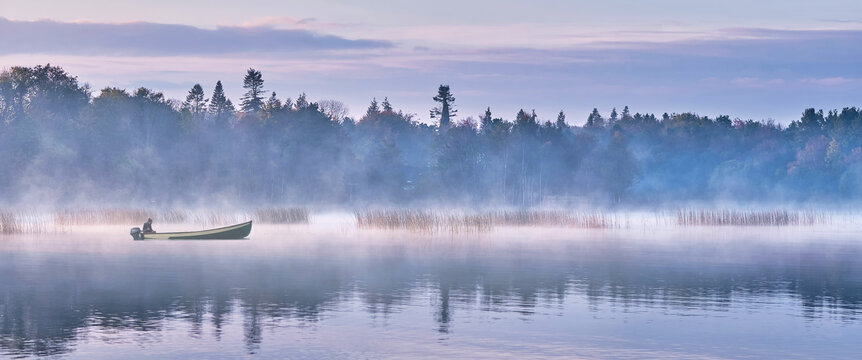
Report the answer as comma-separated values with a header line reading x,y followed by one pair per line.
x,y
43,311
28,330
193,310
252,326
221,306
443,314
32,323
387,283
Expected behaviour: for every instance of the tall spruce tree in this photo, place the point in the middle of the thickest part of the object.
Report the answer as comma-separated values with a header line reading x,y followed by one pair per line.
x,y
252,101
595,119
373,108
446,111
195,102
302,102
561,120
626,114
221,108
486,120
273,105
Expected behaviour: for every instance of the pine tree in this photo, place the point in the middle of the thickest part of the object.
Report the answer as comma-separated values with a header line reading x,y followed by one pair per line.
x,y
373,108
595,119
561,120
446,111
626,115
486,119
195,102
301,102
273,104
387,107
252,101
220,108
526,123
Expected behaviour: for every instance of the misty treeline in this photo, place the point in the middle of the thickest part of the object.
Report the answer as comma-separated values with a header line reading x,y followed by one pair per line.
x,y
61,143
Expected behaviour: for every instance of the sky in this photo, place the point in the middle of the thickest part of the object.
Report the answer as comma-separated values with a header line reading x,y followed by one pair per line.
x,y
756,60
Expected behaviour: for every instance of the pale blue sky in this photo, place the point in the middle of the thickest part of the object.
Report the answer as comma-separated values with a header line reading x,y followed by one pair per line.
x,y
749,59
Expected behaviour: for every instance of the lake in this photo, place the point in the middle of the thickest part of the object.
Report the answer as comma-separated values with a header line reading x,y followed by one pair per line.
x,y
329,291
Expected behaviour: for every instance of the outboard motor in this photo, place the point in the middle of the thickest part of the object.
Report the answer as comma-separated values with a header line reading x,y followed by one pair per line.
x,y
136,233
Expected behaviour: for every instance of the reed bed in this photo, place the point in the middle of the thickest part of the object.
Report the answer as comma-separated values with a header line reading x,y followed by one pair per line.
x,y
556,218
8,223
24,222
751,218
281,216
421,221
432,221
117,216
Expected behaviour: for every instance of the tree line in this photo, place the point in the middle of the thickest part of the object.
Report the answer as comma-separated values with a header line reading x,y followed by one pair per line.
x,y
63,143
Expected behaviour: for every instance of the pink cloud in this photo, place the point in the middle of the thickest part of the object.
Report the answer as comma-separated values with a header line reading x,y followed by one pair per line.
x,y
289,22
831,81
155,39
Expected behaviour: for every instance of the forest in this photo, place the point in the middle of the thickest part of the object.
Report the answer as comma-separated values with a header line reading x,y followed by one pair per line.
x,y
65,144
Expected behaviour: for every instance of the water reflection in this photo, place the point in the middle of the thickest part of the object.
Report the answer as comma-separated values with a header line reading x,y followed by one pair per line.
x,y
50,299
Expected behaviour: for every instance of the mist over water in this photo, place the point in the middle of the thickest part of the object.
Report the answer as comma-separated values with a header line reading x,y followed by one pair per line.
x,y
630,236
326,290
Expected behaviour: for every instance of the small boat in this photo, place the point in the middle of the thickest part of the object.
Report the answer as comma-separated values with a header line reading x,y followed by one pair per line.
x,y
232,232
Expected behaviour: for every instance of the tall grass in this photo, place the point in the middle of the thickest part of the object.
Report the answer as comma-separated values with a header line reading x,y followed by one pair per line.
x,y
8,224
435,221
281,216
421,221
18,222
556,218
751,218
116,216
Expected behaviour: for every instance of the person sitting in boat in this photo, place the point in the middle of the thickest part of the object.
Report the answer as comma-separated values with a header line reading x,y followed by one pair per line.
x,y
148,226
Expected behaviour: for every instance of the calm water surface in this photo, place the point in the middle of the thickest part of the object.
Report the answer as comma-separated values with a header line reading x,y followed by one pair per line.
x,y
332,292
